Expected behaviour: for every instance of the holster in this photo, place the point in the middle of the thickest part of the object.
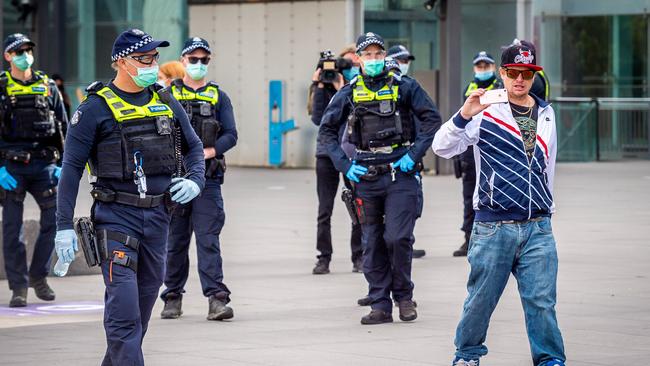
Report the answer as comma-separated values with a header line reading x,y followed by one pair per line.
x,y
367,213
119,257
214,166
348,199
93,249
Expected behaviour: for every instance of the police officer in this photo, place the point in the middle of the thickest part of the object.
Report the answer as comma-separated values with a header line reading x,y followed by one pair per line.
x,y
392,65
213,121
403,57
484,78
379,108
132,135
327,177
32,117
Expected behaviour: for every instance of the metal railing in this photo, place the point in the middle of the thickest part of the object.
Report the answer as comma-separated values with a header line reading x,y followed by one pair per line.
x,y
593,129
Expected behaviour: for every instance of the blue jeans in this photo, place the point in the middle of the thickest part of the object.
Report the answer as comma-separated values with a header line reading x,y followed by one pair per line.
x,y
528,251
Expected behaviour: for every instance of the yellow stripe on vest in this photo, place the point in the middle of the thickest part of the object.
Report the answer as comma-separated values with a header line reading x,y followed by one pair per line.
x,y
210,94
123,111
361,93
38,88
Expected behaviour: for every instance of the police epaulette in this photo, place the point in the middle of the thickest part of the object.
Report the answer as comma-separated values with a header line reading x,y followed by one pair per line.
x,y
94,87
212,83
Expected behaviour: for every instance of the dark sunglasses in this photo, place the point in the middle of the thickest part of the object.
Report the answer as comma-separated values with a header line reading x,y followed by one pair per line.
x,y
23,50
146,59
525,74
204,60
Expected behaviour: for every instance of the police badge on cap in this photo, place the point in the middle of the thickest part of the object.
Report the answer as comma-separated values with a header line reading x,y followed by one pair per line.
x,y
194,43
367,39
134,40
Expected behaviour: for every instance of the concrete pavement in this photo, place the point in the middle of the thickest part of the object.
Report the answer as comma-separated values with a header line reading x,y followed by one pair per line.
x,y
286,316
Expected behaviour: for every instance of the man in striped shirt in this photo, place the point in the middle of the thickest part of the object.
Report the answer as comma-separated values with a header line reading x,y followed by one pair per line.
x,y
514,145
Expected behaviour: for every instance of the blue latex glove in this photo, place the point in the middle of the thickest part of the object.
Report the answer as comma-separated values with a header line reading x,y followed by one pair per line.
x,y
57,172
65,244
405,164
355,172
185,190
7,181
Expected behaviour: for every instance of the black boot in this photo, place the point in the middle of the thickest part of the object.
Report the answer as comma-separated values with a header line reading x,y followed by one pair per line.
x,y
18,298
377,317
364,301
42,289
322,266
218,310
462,251
407,310
419,253
173,306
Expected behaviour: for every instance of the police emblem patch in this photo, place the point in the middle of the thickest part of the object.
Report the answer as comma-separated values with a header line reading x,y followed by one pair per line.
x,y
75,118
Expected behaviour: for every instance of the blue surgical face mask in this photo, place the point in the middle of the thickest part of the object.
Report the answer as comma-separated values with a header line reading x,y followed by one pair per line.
x,y
196,71
484,75
404,68
24,61
373,67
146,76
350,73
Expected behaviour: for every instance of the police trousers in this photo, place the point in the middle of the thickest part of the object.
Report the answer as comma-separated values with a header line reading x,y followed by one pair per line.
x,y
130,296
38,179
390,209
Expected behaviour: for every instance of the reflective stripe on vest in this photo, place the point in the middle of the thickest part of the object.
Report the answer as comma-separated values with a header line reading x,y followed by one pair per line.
x,y
123,111
210,94
38,88
361,93
473,86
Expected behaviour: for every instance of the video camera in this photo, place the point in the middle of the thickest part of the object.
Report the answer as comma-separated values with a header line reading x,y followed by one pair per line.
x,y
330,66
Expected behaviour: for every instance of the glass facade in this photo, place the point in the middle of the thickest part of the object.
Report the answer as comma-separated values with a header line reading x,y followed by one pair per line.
x,y
74,37
407,23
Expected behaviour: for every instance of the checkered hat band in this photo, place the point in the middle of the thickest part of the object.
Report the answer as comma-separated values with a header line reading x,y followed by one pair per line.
x,y
14,44
368,42
400,54
486,59
132,48
195,46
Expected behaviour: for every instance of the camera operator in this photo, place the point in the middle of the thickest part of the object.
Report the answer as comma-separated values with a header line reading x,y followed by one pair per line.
x,y
331,74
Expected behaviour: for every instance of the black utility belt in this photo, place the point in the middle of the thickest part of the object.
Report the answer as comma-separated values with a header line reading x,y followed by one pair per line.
x,y
374,171
107,195
24,156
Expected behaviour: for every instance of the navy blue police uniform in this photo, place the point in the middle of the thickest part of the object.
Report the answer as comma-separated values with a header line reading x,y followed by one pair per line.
x,y
134,228
31,142
380,113
211,115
